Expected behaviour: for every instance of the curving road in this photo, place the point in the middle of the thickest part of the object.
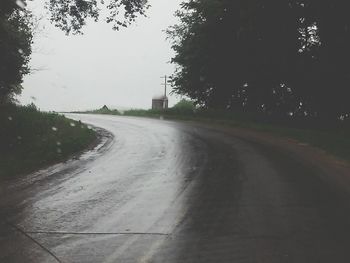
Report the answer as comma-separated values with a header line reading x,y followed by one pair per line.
x,y
162,191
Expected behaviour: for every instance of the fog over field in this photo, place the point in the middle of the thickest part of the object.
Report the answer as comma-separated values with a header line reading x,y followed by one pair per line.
x,y
120,69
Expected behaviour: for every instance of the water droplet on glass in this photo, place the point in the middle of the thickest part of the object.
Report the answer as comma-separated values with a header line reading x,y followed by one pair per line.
x,y
72,124
10,118
20,51
54,128
20,3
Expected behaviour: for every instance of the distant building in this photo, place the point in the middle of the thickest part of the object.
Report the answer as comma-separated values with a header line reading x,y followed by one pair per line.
x,y
160,103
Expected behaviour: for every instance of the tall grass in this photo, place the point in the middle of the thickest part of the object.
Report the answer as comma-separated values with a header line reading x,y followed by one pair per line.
x,y
30,139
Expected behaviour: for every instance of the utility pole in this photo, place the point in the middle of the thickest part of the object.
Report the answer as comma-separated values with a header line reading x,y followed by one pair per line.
x,y
165,84
166,81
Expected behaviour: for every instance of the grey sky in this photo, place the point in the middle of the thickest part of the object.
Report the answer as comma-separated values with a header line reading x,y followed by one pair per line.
x,y
119,69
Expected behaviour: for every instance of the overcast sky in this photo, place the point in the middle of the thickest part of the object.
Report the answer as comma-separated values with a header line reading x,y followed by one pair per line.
x,y
120,69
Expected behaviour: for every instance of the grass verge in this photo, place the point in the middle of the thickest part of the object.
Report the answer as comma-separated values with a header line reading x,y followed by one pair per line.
x,y
30,139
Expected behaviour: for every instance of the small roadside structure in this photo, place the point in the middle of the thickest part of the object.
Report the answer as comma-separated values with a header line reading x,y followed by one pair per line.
x,y
160,102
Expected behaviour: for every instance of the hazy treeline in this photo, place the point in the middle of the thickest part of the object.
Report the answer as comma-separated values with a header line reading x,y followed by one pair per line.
x,y
279,57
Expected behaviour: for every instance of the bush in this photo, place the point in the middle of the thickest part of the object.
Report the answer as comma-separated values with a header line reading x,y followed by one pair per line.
x,y
185,105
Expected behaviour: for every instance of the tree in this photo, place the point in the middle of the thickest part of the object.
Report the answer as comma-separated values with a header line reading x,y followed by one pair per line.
x,y
324,77
71,15
281,57
16,35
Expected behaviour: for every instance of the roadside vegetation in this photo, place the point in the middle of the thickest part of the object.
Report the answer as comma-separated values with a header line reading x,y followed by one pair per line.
x,y
30,139
103,110
331,136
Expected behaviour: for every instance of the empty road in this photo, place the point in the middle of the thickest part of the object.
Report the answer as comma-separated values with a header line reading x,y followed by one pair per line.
x,y
166,191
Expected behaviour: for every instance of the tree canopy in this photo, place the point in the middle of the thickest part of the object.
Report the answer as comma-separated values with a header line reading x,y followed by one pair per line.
x,y
71,15
16,35
281,57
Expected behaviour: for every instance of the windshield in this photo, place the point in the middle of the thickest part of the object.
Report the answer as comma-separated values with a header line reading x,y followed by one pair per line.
x,y
174,131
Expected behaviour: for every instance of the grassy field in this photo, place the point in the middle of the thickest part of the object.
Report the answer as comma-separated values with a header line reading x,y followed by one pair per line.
x,y
333,137
30,139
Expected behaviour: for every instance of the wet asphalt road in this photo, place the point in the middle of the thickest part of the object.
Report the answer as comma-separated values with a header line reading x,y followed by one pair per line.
x,y
161,191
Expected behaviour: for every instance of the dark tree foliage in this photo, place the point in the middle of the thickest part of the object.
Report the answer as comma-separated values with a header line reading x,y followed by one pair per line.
x,y
71,15
273,56
15,48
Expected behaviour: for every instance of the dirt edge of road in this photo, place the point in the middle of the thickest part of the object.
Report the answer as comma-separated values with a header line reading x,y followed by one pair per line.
x,y
331,169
